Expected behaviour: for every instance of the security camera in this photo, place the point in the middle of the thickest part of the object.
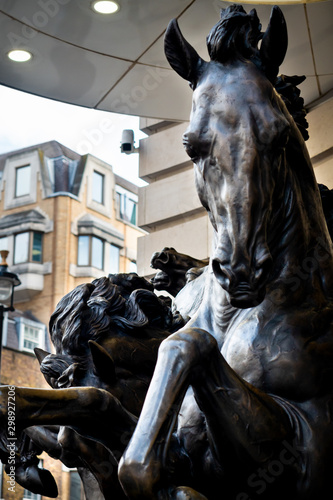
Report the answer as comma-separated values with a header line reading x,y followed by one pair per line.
x,y
127,142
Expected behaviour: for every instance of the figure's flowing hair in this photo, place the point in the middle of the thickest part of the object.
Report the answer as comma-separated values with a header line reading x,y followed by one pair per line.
x,y
95,310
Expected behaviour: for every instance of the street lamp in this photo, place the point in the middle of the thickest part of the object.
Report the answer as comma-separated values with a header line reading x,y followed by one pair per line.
x,y
8,281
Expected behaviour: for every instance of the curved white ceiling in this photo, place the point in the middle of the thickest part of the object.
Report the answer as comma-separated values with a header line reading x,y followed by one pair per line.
x,y
116,62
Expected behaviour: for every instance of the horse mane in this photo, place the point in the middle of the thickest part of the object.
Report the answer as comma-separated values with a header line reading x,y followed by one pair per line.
x,y
236,36
94,310
286,86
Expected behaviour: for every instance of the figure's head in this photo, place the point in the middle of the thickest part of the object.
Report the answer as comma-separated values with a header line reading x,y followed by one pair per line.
x,y
107,335
236,137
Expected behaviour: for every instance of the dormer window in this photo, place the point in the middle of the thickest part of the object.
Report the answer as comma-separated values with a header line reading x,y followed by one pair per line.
x,y
31,334
22,181
98,187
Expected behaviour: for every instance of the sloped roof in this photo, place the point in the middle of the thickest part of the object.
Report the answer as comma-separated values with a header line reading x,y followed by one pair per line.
x,y
51,149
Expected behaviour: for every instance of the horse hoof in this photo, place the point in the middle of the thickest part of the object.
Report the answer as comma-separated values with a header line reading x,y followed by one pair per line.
x,y
38,481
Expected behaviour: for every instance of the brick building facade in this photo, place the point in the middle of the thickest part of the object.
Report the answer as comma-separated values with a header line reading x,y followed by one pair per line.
x,y
66,219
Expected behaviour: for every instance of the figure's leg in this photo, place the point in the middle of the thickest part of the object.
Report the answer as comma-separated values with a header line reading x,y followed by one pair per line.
x,y
249,417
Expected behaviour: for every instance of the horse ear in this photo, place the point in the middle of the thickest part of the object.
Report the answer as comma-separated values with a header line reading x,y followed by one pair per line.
x,y
103,363
274,44
182,57
40,354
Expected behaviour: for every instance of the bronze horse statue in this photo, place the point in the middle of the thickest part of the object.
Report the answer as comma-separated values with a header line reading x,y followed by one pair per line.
x,y
239,405
245,388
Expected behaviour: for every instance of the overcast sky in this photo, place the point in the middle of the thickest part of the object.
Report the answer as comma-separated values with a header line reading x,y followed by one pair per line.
x,y
27,120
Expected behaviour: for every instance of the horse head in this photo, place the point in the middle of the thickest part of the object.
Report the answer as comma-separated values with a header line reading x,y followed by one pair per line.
x,y
236,138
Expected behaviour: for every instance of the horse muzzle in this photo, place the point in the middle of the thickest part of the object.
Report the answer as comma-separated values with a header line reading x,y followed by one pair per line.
x,y
245,289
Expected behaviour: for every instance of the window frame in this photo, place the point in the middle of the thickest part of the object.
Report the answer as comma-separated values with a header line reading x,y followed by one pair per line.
x,y
101,198
39,327
90,251
122,197
111,246
26,193
30,259
6,245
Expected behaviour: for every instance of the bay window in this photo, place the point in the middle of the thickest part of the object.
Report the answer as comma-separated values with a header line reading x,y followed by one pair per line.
x,y
28,247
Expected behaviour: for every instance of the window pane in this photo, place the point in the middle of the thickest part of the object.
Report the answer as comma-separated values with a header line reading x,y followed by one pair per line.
x,y
98,187
133,268
37,247
22,181
83,251
31,337
114,260
21,248
30,496
4,243
127,207
97,253
132,211
75,486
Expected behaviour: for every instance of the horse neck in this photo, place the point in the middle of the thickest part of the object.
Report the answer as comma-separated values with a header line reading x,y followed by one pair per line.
x,y
299,238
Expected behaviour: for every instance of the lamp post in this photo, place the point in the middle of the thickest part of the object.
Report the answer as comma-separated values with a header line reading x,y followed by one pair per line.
x,y
8,281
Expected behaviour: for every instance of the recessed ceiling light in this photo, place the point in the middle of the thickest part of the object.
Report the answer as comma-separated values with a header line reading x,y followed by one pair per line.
x,y
105,6
19,55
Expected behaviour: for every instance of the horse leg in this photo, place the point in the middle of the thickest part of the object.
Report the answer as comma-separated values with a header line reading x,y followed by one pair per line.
x,y
100,461
92,412
252,418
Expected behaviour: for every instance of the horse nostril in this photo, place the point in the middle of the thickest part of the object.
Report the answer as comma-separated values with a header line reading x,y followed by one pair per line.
x,y
221,274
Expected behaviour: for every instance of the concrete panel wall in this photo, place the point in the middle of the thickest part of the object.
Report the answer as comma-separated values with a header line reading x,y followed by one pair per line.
x,y
320,144
169,208
192,237
162,153
320,121
168,198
